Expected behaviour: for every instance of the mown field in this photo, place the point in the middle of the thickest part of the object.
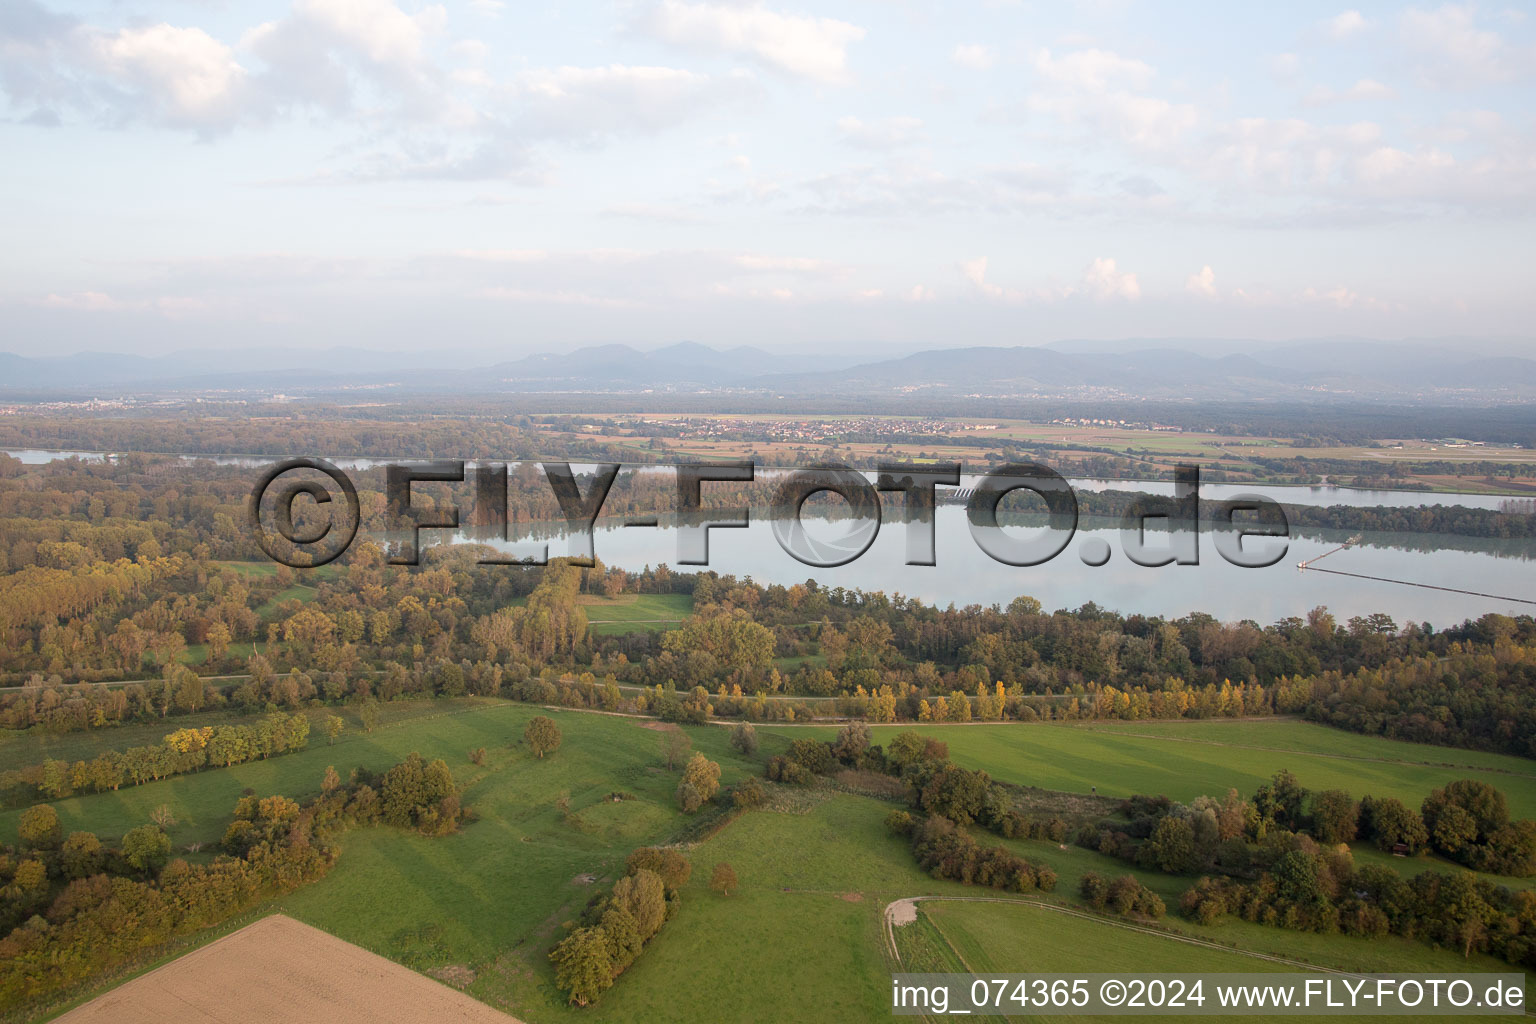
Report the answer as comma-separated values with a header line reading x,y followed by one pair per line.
x,y
802,937
1184,760
1022,938
633,613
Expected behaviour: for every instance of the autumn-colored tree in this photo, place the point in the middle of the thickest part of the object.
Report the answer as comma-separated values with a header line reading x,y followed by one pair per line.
x,y
368,714
332,781
542,735
723,879
39,828
334,724
668,863
700,782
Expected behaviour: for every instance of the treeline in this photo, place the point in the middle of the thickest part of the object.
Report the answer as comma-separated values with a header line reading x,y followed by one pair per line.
x,y
74,908
1466,821
182,751
948,798
616,925
1280,859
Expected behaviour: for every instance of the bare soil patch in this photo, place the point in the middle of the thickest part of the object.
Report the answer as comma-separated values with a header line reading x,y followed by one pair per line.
x,y
281,971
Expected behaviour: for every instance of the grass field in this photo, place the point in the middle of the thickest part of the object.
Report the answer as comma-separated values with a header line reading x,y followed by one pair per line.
x,y
1184,760
802,938
635,613
1023,938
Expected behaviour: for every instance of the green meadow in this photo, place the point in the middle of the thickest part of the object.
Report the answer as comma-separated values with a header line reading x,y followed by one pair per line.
x,y
802,938
1184,760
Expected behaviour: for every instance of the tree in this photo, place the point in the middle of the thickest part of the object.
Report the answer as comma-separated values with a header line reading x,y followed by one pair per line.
x,y
700,782
583,966
39,828
542,735
163,817
669,864
955,793
81,855
675,745
851,742
1171,847
1334,817
368,714
146,848
643,895
333,727
332,781
744,738
723,879
1390,822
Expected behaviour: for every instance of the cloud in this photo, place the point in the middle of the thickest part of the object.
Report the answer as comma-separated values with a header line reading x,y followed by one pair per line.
x,y
185,75
1363,90
1345,25
1104,92
1102,281
805,46
1452,51
576,102
885,133
1202,283
974,56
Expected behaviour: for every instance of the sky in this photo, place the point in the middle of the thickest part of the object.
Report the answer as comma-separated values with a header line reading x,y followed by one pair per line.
x,y
875,176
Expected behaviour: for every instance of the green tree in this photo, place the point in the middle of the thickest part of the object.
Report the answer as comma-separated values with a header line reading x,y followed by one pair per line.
x,y
368,714
723,879
146,848
333,727
1389,822
744,738
955,793
1171,847
542,735
82,855
583,965
851,742
39,828
1334,816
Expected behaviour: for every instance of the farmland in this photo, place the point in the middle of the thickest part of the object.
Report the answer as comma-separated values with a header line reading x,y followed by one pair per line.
x,y
815,863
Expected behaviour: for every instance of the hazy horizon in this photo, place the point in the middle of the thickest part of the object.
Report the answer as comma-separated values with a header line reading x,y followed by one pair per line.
x,y
873,178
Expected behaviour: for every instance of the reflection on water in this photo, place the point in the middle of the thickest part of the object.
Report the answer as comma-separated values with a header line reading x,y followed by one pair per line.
x,y
965,575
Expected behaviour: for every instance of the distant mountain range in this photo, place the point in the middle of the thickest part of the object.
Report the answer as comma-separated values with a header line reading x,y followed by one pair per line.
x,y
1321,370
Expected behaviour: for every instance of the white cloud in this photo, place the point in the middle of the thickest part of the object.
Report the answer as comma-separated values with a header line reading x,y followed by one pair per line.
x,y
1343,26
1453,51
1285,66
975,56
185,75
885,133
1202,283
1092,70
1363,90
810,47
617,99
1103,91
1104,282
